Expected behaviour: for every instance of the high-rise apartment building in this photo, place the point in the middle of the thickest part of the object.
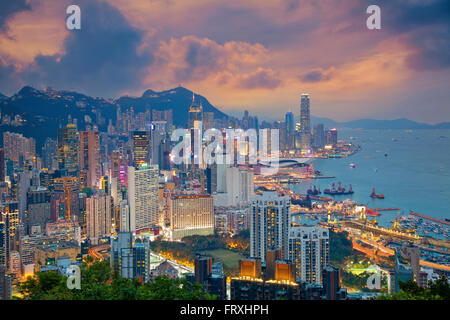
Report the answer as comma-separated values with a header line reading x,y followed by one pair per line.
x,y
89,157
98,217
269,224
143,196
309,251
18,148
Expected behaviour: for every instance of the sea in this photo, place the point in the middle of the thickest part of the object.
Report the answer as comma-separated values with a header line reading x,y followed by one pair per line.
x,y
411,168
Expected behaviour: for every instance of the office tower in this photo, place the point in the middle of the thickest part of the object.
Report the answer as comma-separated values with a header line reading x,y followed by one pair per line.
x,y
269,224
191,215
2,165
49,154
305,126
332,137
141,259
211,179
38,207
10,218
319,136
141,148
98,217
68,147
158,137
309,251
202,268
121,258
289,130
5,284
143,196
18,149
89,157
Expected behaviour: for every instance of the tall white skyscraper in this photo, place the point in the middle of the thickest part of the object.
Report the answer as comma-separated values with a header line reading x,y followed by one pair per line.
x,y
269,224
143,196
309,251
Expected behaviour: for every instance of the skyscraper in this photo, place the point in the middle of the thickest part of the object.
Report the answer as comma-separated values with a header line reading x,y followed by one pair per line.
x,y
305,125
2,165
68,147
89,157
98,217
289,128
308,250
332,137
319,136
141,148
195,119
143,196
269,224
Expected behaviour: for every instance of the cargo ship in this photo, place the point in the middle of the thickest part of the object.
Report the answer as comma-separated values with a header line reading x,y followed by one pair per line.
x,y
376,196
339,191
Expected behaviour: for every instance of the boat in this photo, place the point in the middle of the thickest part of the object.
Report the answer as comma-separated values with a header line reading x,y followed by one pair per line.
x,y
352,165
339,191
376,196
313,192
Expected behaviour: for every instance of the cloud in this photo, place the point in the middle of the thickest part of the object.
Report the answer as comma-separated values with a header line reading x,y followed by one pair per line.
x,y
316,75
201,59
8,8
261,78
100,59
423,27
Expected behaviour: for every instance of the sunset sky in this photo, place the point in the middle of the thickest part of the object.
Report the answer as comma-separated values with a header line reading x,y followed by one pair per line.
x,y
247,54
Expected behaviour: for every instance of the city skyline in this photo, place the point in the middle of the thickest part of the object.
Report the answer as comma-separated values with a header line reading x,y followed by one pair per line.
x,y
249,55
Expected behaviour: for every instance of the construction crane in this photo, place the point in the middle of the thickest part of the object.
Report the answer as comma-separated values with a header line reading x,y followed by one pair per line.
x,y
395,223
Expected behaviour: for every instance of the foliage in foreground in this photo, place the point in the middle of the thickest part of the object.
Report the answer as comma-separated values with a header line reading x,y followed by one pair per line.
x,y
438,290
100,282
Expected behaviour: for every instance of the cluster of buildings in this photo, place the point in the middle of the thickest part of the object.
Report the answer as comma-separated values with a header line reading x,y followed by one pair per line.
x,y
120,189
